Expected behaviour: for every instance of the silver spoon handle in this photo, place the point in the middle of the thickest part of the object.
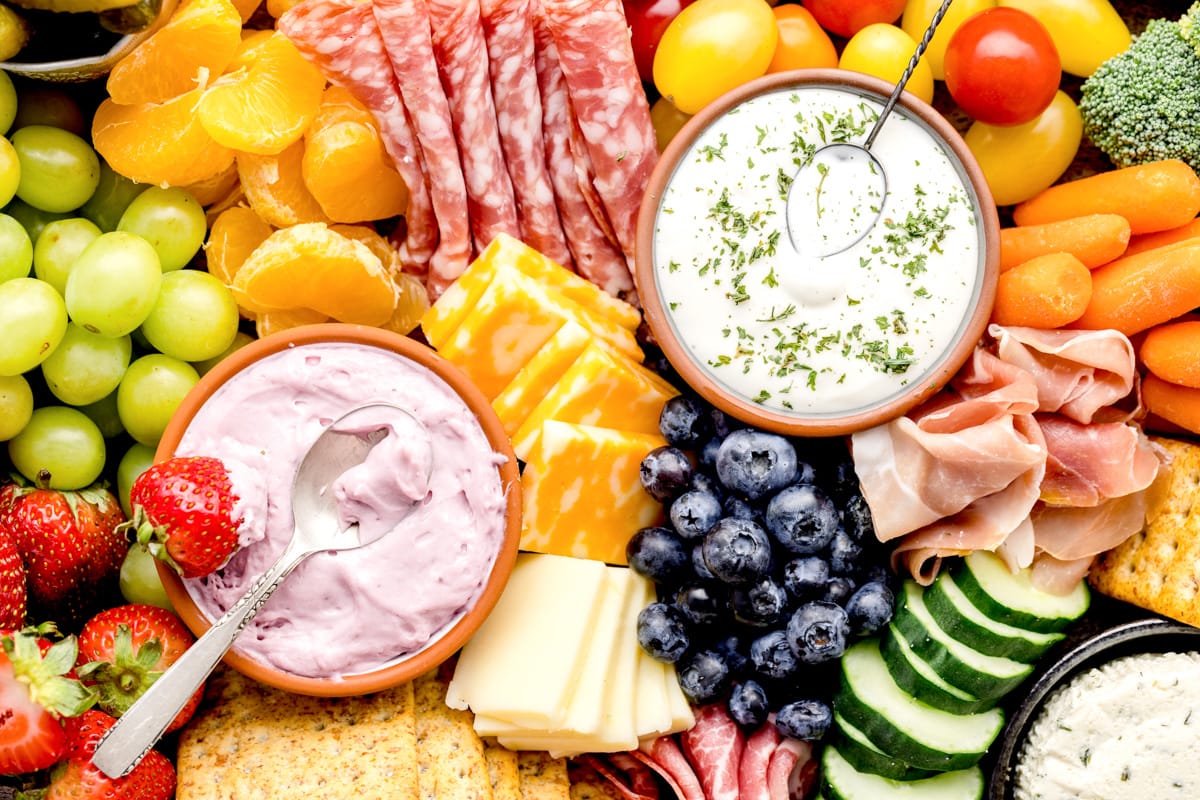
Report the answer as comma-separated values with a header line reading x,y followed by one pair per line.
x,y
908,71
140,728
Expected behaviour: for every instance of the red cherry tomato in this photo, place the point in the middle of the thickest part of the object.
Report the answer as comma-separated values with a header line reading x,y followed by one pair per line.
x,y
1002,67
647,20
848,17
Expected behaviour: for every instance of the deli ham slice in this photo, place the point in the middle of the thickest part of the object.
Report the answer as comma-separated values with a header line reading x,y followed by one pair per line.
x,y
664,755
756,759
792,772
714,747
342,39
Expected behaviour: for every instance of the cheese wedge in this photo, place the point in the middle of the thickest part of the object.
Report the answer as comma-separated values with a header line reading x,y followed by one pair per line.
x,y
653,716
534,381
582,491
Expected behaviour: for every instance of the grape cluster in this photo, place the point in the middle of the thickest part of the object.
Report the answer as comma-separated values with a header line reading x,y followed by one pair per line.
x,y
767,568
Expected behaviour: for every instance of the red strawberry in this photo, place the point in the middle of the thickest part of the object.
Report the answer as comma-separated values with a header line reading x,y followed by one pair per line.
x,y
123,650
77,778
12,584
71,548
183,509
35,693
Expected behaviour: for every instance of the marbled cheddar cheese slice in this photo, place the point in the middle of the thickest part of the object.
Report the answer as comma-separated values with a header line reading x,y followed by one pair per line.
x,y
603,389
534,380
582,491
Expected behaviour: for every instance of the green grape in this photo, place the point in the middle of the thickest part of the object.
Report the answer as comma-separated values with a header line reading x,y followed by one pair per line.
x,y
137,459
33,319
153,387
240,340
10,171
112,196
16,251
104,413
60,446
42,105
113,284
195,317
171,220
59,170
57,247
139,580
8,102
86,366
34,219
16,405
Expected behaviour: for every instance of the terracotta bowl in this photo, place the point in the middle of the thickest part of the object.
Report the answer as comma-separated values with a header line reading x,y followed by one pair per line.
x,y
683,151
446,643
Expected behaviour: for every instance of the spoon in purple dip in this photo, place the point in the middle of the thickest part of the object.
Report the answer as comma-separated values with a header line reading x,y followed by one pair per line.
x,y
335,507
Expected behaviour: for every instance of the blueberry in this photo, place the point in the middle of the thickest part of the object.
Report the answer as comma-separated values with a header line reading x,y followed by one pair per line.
x,y
740,507
802,519
838,590
748,704
706,481
817,631
732,649
701,604
805,473
804,719
698,566
694,512
756,463
857,520
737,551
665,472
662,632
772,656
805,577
659,554
760,604
722,423
870,608
842,480
684,422
844,554
708,452
703,676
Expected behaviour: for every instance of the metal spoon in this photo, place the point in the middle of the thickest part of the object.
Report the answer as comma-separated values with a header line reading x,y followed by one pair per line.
x,y
345,444
845,180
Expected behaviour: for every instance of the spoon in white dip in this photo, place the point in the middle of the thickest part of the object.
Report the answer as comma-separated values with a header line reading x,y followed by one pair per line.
x,y
328,506
837,196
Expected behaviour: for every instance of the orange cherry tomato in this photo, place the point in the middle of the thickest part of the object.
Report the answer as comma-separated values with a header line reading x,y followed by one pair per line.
x,y
803,43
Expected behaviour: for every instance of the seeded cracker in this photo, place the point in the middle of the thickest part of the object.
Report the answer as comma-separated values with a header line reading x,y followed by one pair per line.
x,y
503,771
1159,568
450,754
543,777
252,742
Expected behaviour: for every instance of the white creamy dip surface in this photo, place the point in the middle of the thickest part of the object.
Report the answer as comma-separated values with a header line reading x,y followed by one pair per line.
x,y
1127,729
353,611
815,335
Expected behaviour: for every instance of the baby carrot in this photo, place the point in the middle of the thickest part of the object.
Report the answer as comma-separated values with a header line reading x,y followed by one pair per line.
x,y
1172,352
1137,292
1149,241
1153,197
1046,292
1179,405
1094,239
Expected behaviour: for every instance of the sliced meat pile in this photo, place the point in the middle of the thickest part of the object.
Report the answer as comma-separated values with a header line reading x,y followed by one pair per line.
x,y
1031,452
524,117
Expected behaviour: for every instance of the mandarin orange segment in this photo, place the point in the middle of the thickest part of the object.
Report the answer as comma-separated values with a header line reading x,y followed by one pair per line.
x,y
343,158
267,101
195,46
234,235
339,105
274,187
310,266
387,254
246,8
217,188
412,301
276,8
159,143
283,319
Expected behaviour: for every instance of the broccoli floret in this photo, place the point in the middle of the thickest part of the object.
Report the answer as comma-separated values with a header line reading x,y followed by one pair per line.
x,y
1143,104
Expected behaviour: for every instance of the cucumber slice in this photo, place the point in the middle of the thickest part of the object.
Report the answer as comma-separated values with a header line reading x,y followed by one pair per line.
x,y
901,725
840,781
914,675
983,676
958,616
1012,598
864,756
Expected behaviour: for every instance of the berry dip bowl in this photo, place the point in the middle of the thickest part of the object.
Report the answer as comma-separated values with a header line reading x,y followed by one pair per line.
x,y
767,326
355,621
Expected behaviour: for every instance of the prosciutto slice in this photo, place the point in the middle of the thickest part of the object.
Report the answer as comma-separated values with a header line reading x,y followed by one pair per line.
x,y
792,771
405,27
714,747
756,759
1089,464
665,757
461,52
508,31
342,39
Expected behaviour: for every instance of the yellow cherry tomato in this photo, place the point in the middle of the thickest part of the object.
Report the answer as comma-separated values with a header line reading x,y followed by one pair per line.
x,y
803,43
884,50
917,15
1086,32
714,46
667,121
1021,160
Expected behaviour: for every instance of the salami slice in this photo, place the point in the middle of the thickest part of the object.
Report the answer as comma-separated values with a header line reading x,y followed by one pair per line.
x,y
462,59
508,31
407,36
597,61
342,39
